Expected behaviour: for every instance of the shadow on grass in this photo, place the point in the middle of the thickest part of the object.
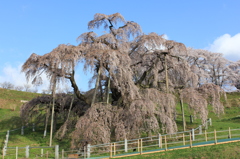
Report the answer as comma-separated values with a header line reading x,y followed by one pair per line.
x,y
34,138
11,123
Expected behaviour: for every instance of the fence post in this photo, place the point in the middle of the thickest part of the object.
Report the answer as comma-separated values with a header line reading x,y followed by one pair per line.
x,y
190,140
193,135
27,151
41,152
215,136
88,150
114,149
165,138
110,150
206,125
33,127
16,152
229,133
126,145
200,129
56,151
22,130
159,140
210,121
84,151
206,135
63,153
45,133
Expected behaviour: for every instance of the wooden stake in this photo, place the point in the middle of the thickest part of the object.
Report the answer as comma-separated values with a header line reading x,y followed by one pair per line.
x,y
110,150
183,139
206,135
141,146
190,135
47,155
16,152
183,114
62,153
215,136
114,149
165,138
229,133
138,145
53,107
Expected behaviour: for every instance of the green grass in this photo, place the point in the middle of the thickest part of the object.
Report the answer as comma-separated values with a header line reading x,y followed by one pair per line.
x,y
222,151
10,119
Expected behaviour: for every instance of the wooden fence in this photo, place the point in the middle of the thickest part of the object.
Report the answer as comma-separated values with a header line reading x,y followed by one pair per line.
x,y
109,149
164,142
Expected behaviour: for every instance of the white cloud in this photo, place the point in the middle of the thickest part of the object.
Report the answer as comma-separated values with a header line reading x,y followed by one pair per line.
x,y
227,44
17,78
165,36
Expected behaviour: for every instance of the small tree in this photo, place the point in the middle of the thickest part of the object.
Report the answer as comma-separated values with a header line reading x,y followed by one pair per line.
x,y
27,87
7,85
19,88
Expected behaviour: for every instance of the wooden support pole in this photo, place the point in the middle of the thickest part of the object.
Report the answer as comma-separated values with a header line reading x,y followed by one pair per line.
x,y
165,138
114,149
183,114
200,129
33,127
159,140
229,133
3,153
206,135
183,139
22,130
63,153
206,126
141,146
138,145
84,151
191,119
190,139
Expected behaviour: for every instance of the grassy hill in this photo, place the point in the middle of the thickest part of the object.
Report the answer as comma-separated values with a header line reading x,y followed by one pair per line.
x,y
10,103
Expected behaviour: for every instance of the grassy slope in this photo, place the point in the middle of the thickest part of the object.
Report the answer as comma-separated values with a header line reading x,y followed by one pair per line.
x,y
10,103
9,119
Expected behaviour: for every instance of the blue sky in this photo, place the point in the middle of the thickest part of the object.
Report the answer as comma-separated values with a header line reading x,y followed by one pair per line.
x,y
29,26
